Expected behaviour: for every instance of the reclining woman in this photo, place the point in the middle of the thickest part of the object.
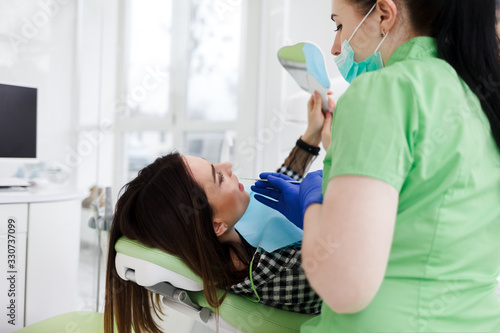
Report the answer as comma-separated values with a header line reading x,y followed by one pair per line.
x,y
188,207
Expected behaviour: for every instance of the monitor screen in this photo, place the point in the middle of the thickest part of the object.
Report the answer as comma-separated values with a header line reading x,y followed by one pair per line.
x,y
18,112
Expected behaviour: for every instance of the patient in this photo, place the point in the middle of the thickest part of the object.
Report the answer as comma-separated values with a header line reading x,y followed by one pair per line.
x,y
188,207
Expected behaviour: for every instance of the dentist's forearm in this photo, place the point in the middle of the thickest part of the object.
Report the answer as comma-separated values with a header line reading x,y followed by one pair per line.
x,y
312,232
347,241
323,269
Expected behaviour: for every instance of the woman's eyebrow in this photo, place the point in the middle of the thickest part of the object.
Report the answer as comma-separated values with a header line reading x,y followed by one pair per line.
x,y
333,17
213,172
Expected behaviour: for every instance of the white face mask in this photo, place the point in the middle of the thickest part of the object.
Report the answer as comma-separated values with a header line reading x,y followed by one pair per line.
x,y
351,69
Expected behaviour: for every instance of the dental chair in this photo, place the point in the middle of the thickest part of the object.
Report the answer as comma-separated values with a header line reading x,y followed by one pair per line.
x,y
182,290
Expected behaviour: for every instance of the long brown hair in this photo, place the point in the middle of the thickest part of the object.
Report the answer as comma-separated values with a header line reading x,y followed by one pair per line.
x,y
466,37
164,208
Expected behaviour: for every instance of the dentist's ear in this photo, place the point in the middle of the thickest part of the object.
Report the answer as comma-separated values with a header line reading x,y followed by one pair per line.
x,y
388,12
219,227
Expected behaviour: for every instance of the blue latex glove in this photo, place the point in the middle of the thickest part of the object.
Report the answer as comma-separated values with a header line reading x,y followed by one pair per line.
x,y
310,190
286,196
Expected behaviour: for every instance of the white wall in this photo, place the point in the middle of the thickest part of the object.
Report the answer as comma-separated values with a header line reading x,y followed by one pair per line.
x,y
92,158
310,21
287,23
37,48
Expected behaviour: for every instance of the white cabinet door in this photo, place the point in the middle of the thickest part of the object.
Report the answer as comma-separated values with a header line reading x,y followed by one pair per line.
x,y
52,261
13,224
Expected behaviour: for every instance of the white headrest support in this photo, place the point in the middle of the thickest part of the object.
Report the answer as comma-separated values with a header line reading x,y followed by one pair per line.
x,y
148,274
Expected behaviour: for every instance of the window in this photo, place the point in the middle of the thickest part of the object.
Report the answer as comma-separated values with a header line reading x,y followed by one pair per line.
x,y
147,58
180,86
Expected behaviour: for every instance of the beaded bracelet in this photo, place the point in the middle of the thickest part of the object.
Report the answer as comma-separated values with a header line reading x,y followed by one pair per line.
x,y
307,147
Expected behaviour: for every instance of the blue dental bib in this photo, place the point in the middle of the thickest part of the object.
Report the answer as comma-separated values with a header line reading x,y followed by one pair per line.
x,y
261,224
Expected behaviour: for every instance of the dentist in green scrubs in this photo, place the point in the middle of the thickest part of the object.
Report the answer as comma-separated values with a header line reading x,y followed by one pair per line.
x,y
402,229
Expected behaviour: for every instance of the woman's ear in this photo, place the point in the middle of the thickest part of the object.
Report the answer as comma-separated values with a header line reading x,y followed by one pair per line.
x,y
388,12
219,227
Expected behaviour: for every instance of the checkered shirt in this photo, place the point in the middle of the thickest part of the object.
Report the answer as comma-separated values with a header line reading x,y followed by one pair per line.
x,y
281,282
289,172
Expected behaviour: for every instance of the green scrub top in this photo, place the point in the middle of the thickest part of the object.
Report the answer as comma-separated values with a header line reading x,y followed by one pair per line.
x,y
418,127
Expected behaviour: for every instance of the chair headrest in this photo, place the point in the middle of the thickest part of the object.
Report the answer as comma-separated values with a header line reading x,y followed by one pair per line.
x,y
152,266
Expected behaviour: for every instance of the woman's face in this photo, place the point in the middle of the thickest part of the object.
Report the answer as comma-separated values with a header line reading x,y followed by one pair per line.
x,y
224,192
366,39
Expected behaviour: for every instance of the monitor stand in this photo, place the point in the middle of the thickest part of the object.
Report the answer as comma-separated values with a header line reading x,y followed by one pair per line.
x,y
13,182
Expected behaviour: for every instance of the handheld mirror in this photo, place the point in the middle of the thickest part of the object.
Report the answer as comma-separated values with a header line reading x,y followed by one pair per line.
x,y
305,63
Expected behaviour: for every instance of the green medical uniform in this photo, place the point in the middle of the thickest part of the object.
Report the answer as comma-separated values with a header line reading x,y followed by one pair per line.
x,y
418,127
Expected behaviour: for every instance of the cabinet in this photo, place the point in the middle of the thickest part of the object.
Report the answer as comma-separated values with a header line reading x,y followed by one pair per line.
x,y
13,227
44,273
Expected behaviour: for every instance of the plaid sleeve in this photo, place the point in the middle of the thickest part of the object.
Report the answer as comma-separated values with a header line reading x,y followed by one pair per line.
x,y
289,172
297,163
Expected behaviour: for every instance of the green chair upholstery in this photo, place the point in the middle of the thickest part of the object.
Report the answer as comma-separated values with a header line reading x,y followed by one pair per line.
x,y
239,312
81,322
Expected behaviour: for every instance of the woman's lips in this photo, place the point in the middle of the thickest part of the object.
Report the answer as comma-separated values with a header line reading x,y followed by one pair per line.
x,y
242,188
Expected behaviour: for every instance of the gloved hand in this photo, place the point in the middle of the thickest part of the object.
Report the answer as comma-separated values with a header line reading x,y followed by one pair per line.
x,y
286,194
310,190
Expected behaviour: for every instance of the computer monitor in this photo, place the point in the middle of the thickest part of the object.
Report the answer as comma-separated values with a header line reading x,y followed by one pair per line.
x,y
18,119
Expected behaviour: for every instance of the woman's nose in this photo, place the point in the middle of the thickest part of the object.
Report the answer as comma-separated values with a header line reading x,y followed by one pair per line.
x,y
337,46
229,167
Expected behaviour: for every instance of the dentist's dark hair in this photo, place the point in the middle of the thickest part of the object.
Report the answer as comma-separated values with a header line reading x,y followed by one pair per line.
x,y
165,208
465,31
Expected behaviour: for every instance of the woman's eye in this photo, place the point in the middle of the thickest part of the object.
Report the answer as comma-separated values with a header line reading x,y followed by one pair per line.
x,y
221,177
339,27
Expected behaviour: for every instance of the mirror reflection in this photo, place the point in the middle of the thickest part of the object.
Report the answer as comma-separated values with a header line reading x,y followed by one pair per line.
x,y
305,63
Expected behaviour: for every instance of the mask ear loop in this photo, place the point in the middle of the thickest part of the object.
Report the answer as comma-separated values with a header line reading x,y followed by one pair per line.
x,y
381,42
359,25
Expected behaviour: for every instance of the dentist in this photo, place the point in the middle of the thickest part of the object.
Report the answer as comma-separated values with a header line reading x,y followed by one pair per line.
x,y
402,228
